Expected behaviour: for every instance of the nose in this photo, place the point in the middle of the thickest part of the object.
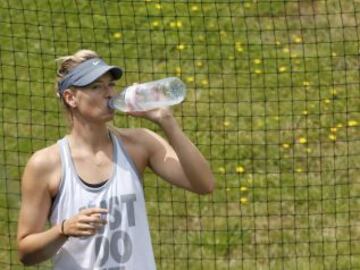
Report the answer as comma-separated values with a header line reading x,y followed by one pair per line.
x,y
109,91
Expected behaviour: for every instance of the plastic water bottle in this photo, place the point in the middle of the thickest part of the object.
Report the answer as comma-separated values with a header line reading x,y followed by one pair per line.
x,y
150,95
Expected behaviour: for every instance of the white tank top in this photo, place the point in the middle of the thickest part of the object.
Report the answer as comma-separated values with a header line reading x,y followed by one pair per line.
x,y
124,243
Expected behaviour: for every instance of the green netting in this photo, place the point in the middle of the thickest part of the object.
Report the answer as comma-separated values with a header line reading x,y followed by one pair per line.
x,y
273,104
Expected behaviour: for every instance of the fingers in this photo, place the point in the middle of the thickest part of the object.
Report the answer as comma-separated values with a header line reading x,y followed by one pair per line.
x,y
89,226
94,219
93,211
135,113
86,222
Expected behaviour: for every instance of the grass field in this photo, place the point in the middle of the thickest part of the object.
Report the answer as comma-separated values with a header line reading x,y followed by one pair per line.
x,y
273,103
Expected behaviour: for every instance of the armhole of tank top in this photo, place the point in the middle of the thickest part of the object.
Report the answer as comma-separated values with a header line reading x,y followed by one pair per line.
x,y
129,159
62,176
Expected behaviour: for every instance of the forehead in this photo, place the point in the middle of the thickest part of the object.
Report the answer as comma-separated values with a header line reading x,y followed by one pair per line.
x,y
105,78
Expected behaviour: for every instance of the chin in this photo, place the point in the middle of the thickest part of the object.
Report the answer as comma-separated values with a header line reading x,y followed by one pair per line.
x,y
109,116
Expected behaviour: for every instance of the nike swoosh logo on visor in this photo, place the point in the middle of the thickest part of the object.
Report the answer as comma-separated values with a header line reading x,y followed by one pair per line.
x,y
96,62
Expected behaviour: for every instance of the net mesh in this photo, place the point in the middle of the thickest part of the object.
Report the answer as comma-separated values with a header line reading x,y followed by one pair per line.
x,y
273,104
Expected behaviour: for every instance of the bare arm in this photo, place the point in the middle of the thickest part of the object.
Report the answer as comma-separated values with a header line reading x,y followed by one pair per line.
x,y
36,244
179,161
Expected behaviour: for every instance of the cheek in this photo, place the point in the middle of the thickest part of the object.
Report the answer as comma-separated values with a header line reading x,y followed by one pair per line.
x,y
91,100
88,105
94,107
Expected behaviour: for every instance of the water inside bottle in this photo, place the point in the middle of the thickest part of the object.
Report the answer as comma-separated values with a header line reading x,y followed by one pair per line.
x,y
147,96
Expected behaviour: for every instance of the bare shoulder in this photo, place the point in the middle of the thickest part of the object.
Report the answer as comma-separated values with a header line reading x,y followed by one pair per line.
x,y
139,143
43,168
139,136
45,159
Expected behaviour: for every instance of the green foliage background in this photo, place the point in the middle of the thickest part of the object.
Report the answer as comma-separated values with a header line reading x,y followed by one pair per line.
x,y
273,103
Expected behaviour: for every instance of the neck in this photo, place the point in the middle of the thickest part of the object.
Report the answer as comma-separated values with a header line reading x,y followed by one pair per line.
x,y
90,135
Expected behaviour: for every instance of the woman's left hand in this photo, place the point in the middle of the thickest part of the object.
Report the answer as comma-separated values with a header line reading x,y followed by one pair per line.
x,y
156,115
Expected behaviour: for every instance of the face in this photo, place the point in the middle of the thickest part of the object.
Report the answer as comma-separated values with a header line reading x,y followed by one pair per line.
x,y
90,102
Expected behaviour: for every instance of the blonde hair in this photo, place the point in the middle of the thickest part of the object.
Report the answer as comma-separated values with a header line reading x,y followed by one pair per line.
x,y
65,65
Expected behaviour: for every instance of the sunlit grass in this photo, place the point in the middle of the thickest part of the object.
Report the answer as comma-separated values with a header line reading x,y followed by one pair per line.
x,y
272,102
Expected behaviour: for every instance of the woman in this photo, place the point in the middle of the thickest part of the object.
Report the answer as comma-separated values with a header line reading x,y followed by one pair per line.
x,y
89,183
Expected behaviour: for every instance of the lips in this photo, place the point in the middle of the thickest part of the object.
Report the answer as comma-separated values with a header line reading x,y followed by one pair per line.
x,y
107,104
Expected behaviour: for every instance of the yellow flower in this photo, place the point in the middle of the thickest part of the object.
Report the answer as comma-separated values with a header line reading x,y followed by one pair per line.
x,y
258,71
327,101
305,112
286,145
240,169
178,70
352,123
244,200
180,47
194,8
190,79
302,140
286,50
155,23
177,24
332,137
239,49
282,69
243,189
299,170
204,82
333,129
257,61
297,39
158,6
117,35
226,123
333,54
221,170
306,83
339,125
278,43
199,64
